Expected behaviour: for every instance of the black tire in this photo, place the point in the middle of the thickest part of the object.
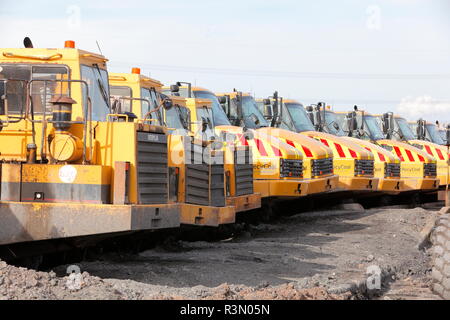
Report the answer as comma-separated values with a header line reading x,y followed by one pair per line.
x,y
441,257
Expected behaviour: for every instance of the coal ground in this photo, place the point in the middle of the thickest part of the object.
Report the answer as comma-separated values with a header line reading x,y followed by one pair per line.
x,y
326,254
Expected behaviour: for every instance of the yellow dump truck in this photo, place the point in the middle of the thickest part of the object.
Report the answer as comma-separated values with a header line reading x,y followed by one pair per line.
x,y
274,171
200,175
352,163
397,128
417,168
69,167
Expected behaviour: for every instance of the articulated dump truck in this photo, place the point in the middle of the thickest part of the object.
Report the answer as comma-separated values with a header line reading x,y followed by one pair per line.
x,y
397,128
69,166
279,168
417,168
212,180
353,164
386,167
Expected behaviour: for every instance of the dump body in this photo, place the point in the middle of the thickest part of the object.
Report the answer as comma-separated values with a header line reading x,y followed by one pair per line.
x,y
417,168
68,168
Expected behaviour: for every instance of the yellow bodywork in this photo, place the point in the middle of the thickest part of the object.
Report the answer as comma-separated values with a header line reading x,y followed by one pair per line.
x,y
69,187
190,213
412,162
436,151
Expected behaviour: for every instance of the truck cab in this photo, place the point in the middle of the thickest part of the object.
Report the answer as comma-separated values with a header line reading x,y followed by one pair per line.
x,y
417,168
198,172
397,128
317,123
277,171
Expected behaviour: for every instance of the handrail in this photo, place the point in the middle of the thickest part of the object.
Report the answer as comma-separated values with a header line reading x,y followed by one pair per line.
x,y
4,97
45,58
87,114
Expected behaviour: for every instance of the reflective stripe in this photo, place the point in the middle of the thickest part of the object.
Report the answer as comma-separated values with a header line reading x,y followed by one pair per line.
x,y
441,156
353,153
339,150
410,156
428,150
325,142
399,153
276,151
422,159
289,142
381,156
242,139
307,152
260,147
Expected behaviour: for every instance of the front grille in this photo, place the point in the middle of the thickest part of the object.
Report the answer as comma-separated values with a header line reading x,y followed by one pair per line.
x,y
429,169
243,170
321,167
152,168
205,181
364,167
391,170
291,168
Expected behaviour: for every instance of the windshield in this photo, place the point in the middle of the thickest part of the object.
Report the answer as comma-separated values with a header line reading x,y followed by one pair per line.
x,y
45,85
204,115
173,120
154,98
219,116
413,127
405,129
332,124
97,80
299,117
250,108
118,92
434,134
373,127
443,135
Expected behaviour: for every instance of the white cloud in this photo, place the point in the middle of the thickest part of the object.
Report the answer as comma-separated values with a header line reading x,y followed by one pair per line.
x,y
424,107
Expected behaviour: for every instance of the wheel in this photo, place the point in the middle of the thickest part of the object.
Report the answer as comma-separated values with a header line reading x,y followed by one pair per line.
x,y
441,257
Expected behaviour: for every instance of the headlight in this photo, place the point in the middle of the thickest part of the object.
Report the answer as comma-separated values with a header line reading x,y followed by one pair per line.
x,y
391,170
429,170
364,167
321,167
291,168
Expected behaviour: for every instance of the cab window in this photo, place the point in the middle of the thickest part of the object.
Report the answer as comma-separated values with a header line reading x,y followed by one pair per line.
x,y
118,92
97,81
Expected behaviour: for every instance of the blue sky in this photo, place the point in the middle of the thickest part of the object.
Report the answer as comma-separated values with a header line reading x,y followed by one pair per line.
x,y
380,54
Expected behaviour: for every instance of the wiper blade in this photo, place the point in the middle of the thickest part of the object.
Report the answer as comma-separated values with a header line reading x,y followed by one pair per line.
x,y
102,88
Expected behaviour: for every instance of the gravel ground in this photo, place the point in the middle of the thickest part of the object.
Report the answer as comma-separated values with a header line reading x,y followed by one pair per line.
x,y
316,255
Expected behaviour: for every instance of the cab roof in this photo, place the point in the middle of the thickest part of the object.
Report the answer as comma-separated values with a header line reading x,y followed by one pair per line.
x,y
51,56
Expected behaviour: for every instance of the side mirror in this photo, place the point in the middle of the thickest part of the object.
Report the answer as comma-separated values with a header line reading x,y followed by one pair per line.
x,y
267,110
385,123
447,135
204,124
420,129
167,104
175,88
222,99
352,124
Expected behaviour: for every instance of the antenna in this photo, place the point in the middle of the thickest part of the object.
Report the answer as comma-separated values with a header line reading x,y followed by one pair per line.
x,y
98,46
